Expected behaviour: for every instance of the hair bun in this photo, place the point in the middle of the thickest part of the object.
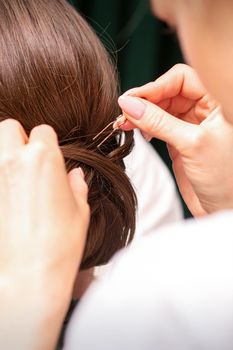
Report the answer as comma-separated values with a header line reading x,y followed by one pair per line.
x,y
111,198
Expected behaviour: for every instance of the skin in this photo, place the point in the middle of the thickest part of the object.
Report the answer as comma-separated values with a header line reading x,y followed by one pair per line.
x,y
180,106
205,26
43,222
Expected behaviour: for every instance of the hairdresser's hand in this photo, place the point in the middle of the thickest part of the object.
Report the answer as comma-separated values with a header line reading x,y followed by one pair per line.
x,y
43,222
177,109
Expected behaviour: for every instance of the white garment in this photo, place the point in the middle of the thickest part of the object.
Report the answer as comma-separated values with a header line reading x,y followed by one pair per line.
x,y
171,290
158,202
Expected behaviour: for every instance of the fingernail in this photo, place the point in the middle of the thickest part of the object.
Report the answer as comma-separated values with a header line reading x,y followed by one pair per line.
x,y
78,171
132,106
146,136
129,92
119,122
81,172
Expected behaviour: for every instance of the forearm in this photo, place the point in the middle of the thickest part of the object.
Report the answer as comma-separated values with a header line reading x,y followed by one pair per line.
x,y
30,319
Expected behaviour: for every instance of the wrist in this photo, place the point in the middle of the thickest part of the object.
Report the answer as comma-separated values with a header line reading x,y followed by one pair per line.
x,y
32,313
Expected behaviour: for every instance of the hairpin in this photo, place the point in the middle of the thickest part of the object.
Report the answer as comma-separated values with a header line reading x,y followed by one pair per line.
x,y
116,124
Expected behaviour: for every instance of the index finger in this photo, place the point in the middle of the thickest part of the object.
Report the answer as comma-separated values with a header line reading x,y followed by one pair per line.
x,y
12,136
45,136
44,133
179,80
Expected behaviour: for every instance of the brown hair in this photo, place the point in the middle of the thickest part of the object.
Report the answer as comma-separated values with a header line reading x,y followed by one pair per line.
x,y
54,70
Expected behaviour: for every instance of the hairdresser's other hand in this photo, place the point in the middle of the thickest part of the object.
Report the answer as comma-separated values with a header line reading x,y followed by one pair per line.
x,y
43,222
177,109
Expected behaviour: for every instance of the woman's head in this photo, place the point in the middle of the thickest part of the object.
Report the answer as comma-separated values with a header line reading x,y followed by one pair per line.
x,y
54,70
205,30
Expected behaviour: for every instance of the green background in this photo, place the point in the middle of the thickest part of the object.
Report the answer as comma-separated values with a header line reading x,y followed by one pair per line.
x,y
142,46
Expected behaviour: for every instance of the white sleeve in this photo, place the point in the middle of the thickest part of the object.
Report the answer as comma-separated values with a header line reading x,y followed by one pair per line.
x,y
158,202
173,290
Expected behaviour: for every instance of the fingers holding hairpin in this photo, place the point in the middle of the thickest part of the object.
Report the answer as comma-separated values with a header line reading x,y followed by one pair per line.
x,y
119,122
123,123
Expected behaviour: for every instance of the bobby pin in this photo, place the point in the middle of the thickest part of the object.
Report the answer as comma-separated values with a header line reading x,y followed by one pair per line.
x,y
105,139
116,125
106,127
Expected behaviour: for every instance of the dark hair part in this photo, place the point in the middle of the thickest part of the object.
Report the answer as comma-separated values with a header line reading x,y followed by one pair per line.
x,y
54,70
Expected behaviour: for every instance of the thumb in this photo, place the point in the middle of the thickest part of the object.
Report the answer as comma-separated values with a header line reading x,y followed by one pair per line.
x,y
156,122
78,185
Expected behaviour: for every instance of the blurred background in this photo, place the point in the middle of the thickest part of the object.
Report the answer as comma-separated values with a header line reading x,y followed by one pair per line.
x,y
142,46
